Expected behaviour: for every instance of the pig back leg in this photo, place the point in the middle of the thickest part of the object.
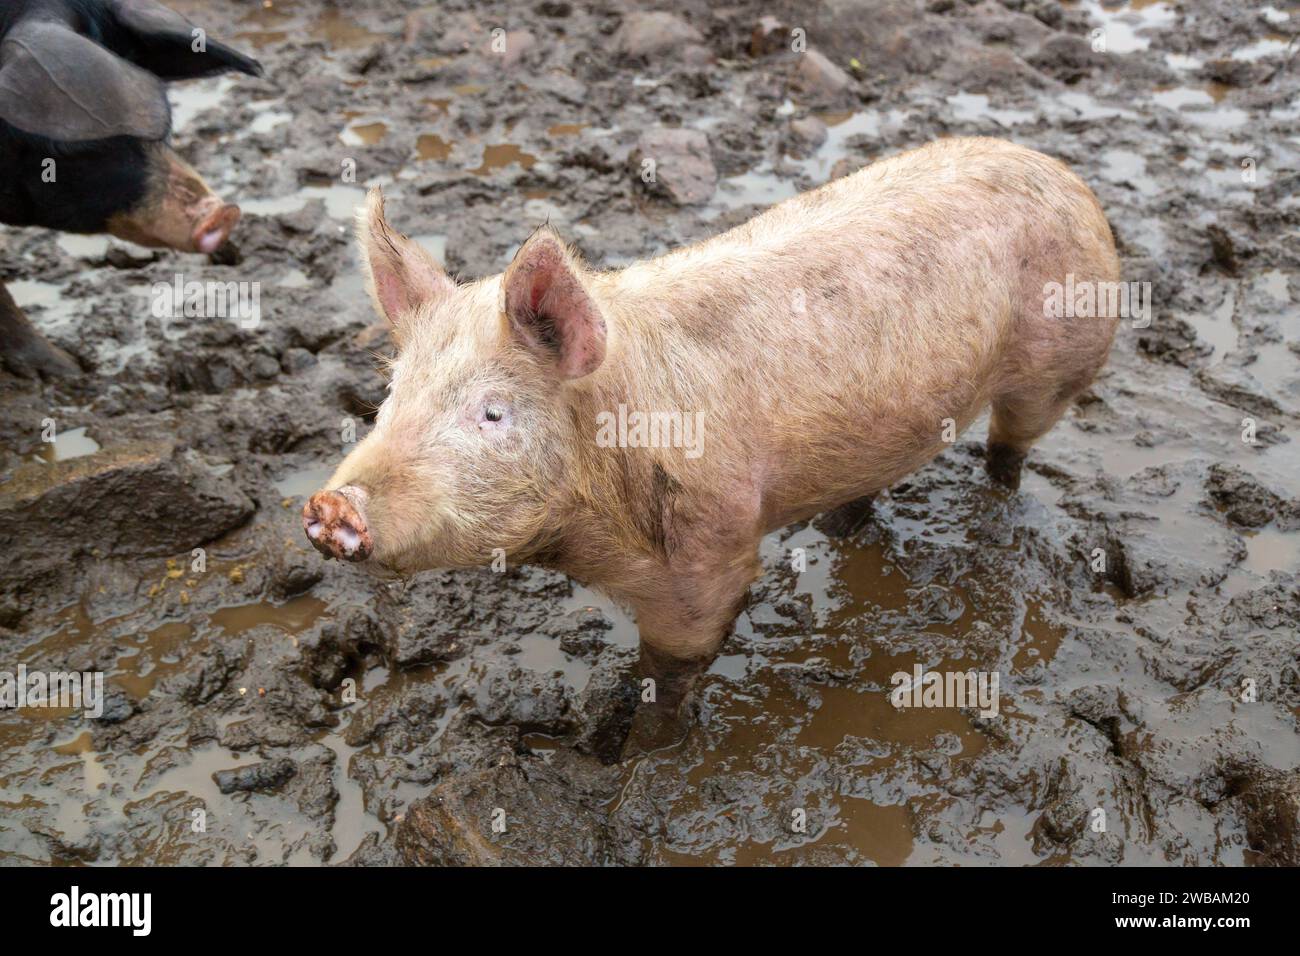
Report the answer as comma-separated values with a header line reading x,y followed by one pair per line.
x,y
849,518
1039,395
1049,360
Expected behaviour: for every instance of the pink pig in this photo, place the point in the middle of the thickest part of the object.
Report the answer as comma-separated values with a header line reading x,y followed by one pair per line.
x,y
820,350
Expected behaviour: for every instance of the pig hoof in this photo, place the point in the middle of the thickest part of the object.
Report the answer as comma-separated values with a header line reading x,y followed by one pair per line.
x,y
656,728
336,528
1003,463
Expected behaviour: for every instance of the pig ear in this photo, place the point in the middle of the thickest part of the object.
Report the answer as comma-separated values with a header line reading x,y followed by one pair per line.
x,y
163,42
400,274
57,84
549,307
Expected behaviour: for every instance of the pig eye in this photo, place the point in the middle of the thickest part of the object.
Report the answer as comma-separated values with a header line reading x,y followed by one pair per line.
x,y
494,416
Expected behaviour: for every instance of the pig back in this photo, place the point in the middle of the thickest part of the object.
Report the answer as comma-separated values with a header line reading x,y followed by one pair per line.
x,y
829,340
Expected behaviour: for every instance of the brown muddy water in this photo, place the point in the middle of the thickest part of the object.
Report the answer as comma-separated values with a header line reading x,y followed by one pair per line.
x,y
1138,599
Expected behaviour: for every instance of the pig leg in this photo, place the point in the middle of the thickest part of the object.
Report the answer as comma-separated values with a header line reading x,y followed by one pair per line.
x,y
848,519
1041,384
664,720
25,351
681,628
1013,428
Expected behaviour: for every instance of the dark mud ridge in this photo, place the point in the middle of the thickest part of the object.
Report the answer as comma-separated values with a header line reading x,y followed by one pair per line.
x,y
1139,597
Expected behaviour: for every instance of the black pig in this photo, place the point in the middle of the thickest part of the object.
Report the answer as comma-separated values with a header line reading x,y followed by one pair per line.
x,y
84,124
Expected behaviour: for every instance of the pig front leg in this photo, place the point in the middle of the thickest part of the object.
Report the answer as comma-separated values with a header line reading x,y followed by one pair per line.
x,y
24,351
662,718
682,624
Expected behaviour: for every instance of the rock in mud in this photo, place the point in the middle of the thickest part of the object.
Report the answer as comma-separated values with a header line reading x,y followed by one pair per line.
x,y
503,816
582,632
1174,341
117,706
1235,387
294,570
682,165
139,499
808,133
1066,58
645,35
1246,502
295,360
415,634
528,700
206,674
815,75
1276,605
1231,72
331,647
262,777
1046,11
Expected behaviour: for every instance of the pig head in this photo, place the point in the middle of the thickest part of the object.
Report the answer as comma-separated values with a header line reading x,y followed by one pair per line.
x,y
469,450
84,121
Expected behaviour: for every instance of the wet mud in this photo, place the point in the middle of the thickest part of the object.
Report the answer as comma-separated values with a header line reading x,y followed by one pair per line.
x,y
1138,598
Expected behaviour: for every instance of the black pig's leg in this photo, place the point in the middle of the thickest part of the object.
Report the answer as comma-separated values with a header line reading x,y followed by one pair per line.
x,y
23,350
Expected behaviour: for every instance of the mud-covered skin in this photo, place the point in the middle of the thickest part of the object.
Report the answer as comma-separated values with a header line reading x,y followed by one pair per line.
x,y
335,525
1121,688
1003,463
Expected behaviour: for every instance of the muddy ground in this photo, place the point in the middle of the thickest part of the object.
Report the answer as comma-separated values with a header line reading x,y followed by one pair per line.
x,y
1125,690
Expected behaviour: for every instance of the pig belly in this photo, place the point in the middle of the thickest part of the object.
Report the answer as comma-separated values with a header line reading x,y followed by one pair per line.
x,y
898,303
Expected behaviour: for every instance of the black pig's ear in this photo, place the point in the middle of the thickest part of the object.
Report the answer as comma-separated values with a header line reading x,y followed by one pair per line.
x,y
167,45
400,274
549,307
58,84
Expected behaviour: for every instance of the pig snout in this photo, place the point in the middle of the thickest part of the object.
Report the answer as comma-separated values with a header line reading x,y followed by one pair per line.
x,y
336,524
179,210
215,221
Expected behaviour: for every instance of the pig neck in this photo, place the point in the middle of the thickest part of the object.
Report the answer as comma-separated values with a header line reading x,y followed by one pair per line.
x,y
633,506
